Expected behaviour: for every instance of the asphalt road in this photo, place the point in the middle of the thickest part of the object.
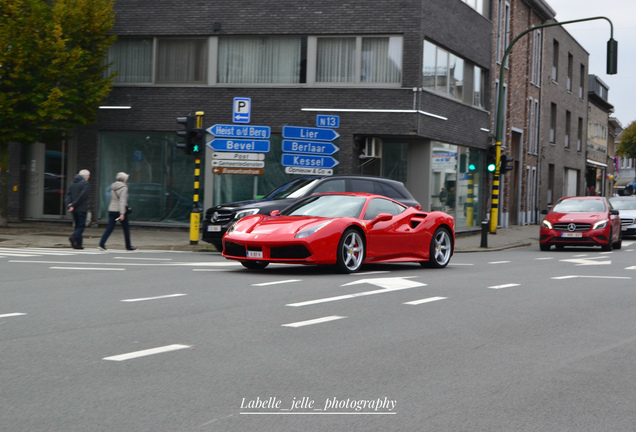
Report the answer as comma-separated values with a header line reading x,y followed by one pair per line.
x,y
518,340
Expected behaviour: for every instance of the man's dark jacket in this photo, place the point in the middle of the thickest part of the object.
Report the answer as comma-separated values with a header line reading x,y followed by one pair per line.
x,y
77,194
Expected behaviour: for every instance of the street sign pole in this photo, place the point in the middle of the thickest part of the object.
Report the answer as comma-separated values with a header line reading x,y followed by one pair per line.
x,y
195,215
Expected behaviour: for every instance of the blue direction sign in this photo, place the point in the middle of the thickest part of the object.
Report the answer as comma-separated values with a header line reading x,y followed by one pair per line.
x,y
309,133
309,161
237,131
329,121
317,148
239,145
242,110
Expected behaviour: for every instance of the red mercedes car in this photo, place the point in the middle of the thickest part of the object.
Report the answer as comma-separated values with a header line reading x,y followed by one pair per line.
x,y
345,230
581,221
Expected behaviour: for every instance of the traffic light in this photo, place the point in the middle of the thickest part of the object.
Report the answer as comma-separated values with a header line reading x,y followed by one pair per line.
x,y
462,163
612,57
473,160
491,163
196,142
190,123
505,160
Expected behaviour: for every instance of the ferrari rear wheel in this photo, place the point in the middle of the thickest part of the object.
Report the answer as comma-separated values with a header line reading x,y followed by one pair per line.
x,y
350,251
441,249
255,265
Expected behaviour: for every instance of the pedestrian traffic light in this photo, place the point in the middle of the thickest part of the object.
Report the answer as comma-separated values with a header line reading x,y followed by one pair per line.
x,y
196,141
186,135
473,159
462,163
504,167
491,163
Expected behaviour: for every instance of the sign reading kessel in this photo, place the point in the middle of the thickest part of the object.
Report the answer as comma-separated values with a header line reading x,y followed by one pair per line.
x,y
310,161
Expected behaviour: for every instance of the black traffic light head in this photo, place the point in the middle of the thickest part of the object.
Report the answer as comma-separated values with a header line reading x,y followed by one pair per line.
x,y
184,137
491,163
612,57
504,167
196,141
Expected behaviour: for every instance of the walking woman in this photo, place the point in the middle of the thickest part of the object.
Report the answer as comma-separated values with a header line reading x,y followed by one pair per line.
x,y
117,211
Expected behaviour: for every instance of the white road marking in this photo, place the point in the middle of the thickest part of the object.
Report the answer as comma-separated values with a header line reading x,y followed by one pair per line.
x,y
504,286
388,284
543,258
499,262
426,300
209,264
590,277
141,258
146,352
153,298
87,268
314,321
12,314
587,261
276,282
369,273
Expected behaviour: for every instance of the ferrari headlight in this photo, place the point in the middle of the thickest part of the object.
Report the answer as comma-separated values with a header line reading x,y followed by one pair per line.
x,y
309,231
546,224
242,213
600,224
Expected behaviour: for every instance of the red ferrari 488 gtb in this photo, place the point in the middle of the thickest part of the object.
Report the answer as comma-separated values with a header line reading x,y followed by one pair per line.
x,y
345,230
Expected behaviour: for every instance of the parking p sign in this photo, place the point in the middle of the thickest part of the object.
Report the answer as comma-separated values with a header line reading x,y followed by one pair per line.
x,y
241,111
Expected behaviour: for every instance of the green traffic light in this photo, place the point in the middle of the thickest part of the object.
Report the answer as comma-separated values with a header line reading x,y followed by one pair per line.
x,y
472,167
491,167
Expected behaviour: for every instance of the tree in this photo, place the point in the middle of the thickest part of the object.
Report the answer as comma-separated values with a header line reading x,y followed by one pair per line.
x,y
627,145
52,71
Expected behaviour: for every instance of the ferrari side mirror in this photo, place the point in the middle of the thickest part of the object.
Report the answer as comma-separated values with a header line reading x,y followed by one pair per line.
x,y
382,217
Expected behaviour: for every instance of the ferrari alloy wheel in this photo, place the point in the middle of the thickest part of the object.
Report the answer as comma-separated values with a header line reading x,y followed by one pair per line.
x,y
441,249
255,265
350,251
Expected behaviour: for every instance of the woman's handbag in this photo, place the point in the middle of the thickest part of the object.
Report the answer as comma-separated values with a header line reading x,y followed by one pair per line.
x,y
128,209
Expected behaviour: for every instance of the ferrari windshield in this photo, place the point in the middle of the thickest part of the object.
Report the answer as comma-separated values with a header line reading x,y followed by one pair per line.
x,y
623,204
579,205
327,206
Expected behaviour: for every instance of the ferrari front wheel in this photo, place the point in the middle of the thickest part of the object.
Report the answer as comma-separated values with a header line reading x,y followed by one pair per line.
x,y
255,265
350,251
441,249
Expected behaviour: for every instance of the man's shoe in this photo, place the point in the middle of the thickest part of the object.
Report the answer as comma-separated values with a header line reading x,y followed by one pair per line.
x,y
102,248
72,240
78,247
132,248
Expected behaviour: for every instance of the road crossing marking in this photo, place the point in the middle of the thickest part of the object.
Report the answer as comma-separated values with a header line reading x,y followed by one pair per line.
x,y
510,285
590,277
14,314
147,352
314,321
426,300
153,298
588,261
87,268
276,282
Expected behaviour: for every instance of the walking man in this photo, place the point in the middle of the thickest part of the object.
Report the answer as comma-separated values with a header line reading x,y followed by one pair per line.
x,y
77,203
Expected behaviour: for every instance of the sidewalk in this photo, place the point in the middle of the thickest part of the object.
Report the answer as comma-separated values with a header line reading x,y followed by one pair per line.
x,y
55,235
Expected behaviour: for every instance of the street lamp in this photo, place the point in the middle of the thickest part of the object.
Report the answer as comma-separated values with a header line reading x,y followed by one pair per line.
x,y
612,54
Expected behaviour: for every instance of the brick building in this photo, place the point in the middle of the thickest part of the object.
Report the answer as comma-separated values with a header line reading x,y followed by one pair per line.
x,y
407,79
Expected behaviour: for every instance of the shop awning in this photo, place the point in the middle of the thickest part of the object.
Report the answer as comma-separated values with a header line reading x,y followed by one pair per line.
x,y
622,182
597,164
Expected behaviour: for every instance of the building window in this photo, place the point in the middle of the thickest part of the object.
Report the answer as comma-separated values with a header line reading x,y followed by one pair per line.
x,y
568,120
480,6
579,136
451,75
568,83
259,60
555,61
553,122
537,119
182,61
535,66
132,59
531,126
582,82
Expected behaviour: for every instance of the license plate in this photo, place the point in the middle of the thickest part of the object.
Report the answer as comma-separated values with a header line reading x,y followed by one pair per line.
x,y
214,228
255,254
571,235
624,228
